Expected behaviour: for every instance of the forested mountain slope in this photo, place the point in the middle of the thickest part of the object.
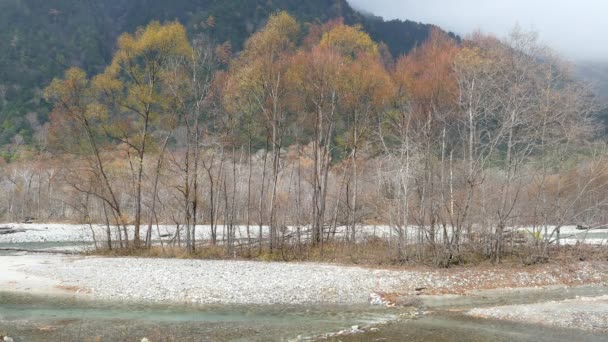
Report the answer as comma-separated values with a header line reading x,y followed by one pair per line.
x,y
39,39
595,73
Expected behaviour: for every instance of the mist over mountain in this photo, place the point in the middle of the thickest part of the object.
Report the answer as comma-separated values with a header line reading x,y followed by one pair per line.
x,y
596,73
582,39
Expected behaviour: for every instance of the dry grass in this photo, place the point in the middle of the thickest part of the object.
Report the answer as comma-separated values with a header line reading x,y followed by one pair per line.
x,y
170,252
371,253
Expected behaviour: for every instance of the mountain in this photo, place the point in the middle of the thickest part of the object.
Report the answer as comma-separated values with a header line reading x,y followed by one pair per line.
x,y
39,39
595,73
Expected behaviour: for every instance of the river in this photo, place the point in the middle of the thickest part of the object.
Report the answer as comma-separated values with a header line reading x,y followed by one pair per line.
x,y
437,318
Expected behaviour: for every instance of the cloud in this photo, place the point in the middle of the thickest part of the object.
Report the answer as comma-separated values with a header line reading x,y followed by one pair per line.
x,y
576,29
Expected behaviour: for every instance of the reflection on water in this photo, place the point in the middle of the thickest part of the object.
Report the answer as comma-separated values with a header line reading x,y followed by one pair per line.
x,y
35,318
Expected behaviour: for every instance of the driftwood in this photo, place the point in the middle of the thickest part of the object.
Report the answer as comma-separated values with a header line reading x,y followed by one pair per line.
x,y
10,230
41,251
581,227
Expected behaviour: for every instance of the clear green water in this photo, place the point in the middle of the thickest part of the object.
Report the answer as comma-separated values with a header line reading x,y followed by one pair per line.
x,y
46,319
36,318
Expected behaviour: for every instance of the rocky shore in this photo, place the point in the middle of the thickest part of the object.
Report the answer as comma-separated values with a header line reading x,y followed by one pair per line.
x,y
248,282
36,233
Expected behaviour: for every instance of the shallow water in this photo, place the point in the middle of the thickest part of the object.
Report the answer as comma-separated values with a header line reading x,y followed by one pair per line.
x,y
488,298
445,319
37,318
448,327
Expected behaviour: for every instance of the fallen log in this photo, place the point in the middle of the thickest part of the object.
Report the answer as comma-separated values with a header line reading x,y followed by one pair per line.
x,y
40,251
10,230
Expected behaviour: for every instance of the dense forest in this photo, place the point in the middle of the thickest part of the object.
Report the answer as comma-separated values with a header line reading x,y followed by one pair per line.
x,y
311,134
40,39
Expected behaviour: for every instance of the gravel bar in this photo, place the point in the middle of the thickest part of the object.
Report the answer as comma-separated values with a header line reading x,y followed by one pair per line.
x,y
587,313
249,282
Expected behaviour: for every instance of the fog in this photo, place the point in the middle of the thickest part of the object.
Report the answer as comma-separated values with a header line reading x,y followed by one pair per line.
x,y
576,29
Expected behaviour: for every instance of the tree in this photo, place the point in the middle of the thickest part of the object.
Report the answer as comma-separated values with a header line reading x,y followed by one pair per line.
x,y
321,76
257,87
77,110
132,89
189,81
419,129
516,97
368,91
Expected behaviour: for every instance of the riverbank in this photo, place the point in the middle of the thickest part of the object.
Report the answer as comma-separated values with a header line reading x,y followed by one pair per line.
x,y
230,300
61,232
249,282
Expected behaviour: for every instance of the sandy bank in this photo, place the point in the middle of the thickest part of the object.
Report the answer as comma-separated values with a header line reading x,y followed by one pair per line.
x,y
14,276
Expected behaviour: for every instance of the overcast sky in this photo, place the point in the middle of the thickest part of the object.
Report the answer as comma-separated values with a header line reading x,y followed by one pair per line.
x,y
578,29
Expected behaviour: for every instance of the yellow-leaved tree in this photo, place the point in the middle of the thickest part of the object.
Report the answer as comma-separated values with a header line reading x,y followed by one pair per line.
x,y
131,87
257,87
130,95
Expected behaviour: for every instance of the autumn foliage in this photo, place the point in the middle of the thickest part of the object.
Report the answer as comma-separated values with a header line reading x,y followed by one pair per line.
x,y
318,127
